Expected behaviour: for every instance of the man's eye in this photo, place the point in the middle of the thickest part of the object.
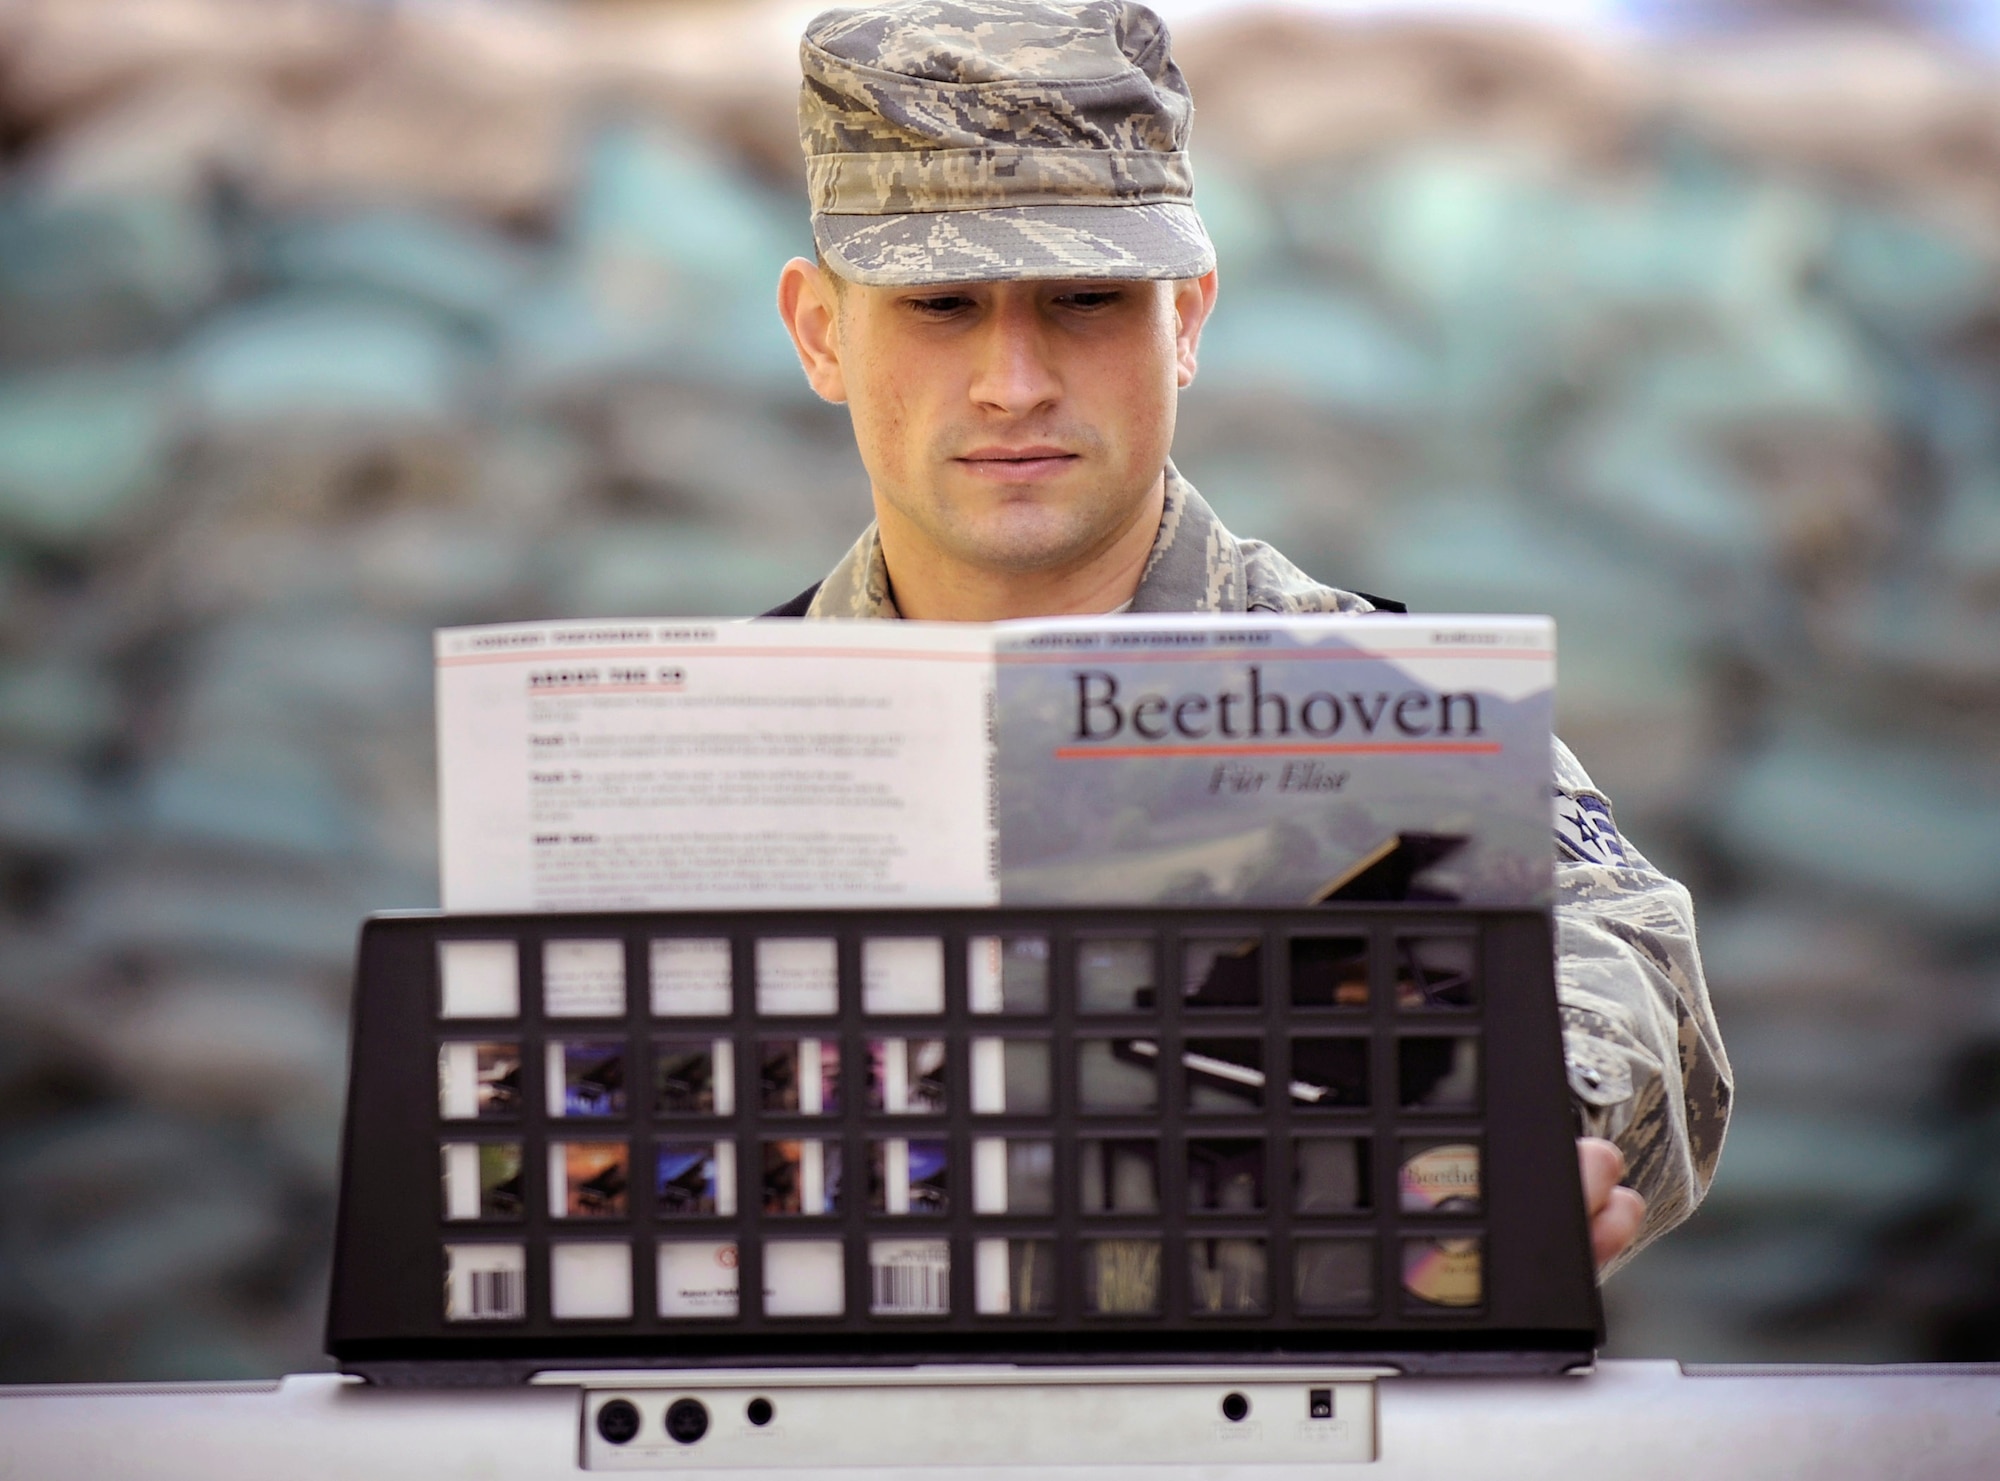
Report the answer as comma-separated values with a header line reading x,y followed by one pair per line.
x,y
944,303
1090,298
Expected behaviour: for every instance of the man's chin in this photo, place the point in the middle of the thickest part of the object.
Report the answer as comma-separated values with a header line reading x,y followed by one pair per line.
x,y
1026,546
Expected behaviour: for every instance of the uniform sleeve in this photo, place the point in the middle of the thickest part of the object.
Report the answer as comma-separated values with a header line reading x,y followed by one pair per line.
x,y
1645,1059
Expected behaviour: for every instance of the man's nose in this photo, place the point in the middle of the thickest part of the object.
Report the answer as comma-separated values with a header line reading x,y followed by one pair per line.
x,y
1016,372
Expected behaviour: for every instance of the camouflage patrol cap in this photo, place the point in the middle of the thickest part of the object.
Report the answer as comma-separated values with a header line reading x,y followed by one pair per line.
x,y
953,141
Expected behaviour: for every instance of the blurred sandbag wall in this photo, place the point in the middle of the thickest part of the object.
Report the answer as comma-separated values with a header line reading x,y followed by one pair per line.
x,y
323,324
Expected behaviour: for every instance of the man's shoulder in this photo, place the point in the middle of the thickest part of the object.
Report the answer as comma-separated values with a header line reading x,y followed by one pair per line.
x,y
1198,565
1272,583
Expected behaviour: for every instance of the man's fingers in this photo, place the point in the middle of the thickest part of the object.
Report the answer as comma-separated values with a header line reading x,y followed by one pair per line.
x,y
1602,1165
1613,1230
1616,1214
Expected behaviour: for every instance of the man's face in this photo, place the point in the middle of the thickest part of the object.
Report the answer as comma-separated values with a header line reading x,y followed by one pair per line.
x,y
1011,426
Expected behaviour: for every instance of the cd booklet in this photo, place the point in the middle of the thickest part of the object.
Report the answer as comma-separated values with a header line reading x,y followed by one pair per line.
x,y
1141,760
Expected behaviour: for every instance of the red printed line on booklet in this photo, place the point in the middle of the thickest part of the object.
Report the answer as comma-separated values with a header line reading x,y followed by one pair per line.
x,y
1330,748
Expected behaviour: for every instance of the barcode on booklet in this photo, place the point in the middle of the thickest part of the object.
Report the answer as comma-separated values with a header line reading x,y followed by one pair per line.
x,y
496,1293
485,1283
909,1277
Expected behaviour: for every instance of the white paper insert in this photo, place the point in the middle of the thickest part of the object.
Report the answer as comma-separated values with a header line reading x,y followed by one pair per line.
x,y
725,1179
479,979
893,1056
692,978
697,1278
982,974
722,1060
812,1178
797,976
896,1176
554,1088
458,1082
993,1293
812,1079
902,974
989,1077
583,979
804,1277
590,1281
461,1180
989,1175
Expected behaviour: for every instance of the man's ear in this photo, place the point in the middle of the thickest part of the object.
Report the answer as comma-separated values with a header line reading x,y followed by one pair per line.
x,y
808,304
1194,299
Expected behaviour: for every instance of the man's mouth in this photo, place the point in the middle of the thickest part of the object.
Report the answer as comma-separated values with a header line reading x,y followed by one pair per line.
x,y
1016,464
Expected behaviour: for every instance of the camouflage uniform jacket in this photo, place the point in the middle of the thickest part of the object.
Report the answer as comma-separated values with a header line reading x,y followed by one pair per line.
x,y
1646,1062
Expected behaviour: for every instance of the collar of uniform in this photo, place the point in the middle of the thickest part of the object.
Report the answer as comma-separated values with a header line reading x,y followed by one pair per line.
x,y
1196,566
859,585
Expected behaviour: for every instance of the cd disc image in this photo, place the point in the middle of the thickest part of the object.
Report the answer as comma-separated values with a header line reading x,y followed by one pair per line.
x,y
1440,1179
1444,1272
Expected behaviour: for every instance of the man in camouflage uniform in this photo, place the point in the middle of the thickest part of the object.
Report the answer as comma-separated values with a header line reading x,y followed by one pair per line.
x,y
1011,286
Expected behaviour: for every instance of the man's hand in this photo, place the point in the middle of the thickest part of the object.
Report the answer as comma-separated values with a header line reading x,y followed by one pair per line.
x,y
1616,1213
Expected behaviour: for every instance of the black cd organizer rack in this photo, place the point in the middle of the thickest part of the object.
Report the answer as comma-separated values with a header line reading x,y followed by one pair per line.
x,y
1063,1136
